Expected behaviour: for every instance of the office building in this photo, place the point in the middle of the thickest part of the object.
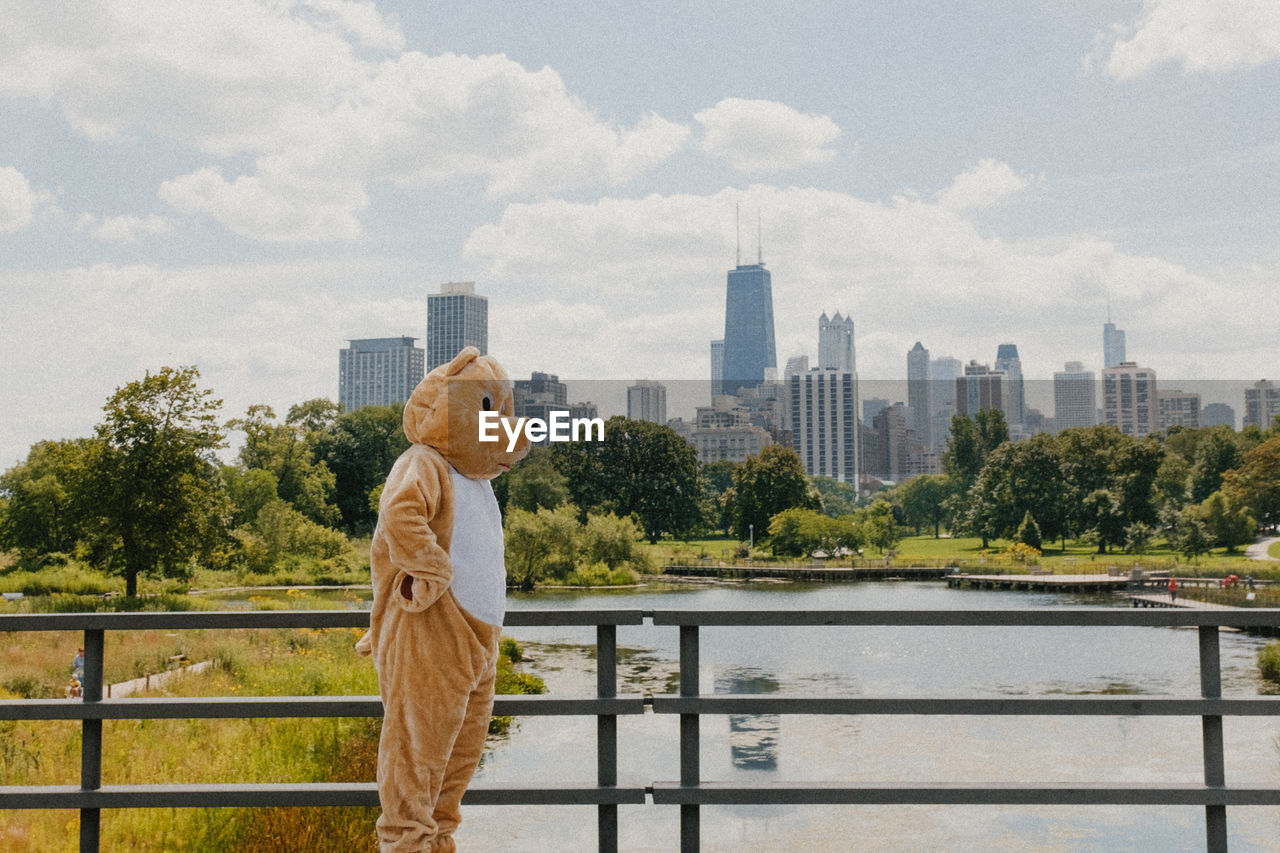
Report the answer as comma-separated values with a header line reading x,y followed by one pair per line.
x,y
1112,345
979,388
378,371
1179,408
824,423
872,406
835,343
717,368
1130,399
456,318
539,395
1218,414
918,389
1261,404
1015,408
722,443
647,401
1075,397
748,328
943,373
796,365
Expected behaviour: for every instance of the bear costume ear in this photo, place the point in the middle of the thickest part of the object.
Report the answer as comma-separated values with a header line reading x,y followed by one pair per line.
x,y
461,360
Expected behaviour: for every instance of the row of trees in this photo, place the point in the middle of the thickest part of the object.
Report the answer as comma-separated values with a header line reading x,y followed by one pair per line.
x,y
147,494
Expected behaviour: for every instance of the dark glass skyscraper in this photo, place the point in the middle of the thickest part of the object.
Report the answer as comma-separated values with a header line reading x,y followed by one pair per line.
x,y
748,328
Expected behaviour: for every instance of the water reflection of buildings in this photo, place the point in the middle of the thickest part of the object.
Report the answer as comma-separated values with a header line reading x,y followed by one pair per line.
x,y
753,738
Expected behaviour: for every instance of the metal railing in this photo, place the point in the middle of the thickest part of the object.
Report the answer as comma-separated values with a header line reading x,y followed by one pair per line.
x,y
691,791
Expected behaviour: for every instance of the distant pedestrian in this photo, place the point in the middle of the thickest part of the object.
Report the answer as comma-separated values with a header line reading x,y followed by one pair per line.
x,y
1173,589
77,665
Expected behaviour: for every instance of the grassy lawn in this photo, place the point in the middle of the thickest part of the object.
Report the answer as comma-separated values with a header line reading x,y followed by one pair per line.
x,y
1274,550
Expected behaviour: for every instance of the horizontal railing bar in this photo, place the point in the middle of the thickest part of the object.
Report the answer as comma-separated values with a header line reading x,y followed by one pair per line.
x,y
835,793
295,794
223,619
1165,706
1047,617
236,707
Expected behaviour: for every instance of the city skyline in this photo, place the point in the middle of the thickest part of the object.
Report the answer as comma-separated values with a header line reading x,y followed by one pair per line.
x,y
247,186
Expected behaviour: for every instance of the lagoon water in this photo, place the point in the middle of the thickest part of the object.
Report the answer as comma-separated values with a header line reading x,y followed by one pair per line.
x,y
881,662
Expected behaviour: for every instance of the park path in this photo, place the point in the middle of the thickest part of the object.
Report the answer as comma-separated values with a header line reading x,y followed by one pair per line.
x,y
1258,550
151,682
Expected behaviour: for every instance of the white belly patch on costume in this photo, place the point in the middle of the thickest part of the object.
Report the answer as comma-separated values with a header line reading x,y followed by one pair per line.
x,y
475,550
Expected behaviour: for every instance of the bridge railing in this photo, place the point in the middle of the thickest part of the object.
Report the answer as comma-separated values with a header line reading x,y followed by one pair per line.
x,y
690,791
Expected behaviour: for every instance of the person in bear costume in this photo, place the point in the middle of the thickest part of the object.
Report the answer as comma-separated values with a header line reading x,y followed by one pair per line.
x,y
439,589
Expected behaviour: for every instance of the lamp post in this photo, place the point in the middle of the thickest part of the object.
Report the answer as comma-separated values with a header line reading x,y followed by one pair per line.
x,y
751,545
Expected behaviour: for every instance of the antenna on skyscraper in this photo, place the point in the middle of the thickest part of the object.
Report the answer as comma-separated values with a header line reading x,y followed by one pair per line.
x,y
759,248
737,227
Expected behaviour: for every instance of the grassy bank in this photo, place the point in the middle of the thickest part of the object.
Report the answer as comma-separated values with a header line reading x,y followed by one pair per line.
x,y
305,662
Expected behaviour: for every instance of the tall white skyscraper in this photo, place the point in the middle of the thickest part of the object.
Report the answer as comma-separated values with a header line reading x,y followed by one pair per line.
x,y
918,392
1075,397
456,318
378,372
647,401
1112,345
824,423
943,373
1261,404
835,343
1130,399
717,368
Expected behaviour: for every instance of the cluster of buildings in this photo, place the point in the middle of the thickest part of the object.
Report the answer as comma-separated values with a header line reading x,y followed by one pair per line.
x,y
817,408
384,371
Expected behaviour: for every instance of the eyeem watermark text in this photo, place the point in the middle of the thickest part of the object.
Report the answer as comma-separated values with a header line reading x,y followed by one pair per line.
x,y
558,428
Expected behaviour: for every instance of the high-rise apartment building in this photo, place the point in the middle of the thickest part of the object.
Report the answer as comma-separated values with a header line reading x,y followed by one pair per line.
x,y
456,318
918,389
1261,404
647,401
748,328
943,373
1179,408
979,388
1112,345
824,423
717,368
378,371
1130,399
796,365
835,343
540,394
1075,397
1015,407
1218,414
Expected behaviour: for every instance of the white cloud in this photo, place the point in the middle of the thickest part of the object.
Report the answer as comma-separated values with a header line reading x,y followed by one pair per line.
x,y
321,98
761,136
1200,35
984,185
123,229
17,200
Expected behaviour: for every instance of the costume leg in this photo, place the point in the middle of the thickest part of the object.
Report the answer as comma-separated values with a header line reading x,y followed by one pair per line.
x,y
467,749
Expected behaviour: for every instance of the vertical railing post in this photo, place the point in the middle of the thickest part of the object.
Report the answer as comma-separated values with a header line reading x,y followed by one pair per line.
x,y
1215,817
91,740
690,748
607,733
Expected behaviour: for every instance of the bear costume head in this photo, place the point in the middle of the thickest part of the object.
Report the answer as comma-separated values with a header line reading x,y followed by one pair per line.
x,y
444,412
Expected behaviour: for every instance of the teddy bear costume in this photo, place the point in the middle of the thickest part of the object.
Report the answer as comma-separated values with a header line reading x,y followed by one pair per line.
x,y
439,588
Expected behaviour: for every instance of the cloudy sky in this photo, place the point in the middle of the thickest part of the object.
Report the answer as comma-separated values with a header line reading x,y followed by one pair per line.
x,y
246,185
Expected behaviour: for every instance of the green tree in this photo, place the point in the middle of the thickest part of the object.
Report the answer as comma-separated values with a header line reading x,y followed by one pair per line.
x,y
877,526
716,481
608,539
48,507
284,449
924,501
766,484
360,447
963,458
799,532
535,482
1028,531
1255,485
1104,518
249,491
1190,538
642,469
1226,524
1215,454
162,498
838,499
540,544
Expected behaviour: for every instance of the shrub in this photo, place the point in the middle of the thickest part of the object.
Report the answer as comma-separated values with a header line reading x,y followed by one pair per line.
x,y
1269,662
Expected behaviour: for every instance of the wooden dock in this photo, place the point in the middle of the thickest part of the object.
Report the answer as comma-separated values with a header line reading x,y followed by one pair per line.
x,y
1163,600
809,574
1042,582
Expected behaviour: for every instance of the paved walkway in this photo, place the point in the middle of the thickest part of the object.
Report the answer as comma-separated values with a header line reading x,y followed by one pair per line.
x,y
1258,550
151,682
